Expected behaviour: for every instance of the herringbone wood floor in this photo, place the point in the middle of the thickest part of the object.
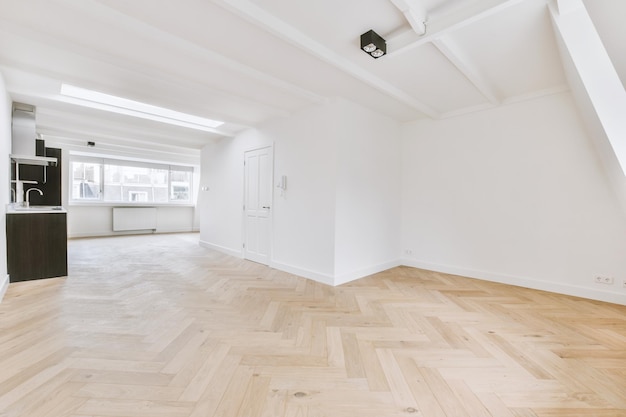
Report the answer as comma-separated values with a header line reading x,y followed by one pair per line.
x,y
151,326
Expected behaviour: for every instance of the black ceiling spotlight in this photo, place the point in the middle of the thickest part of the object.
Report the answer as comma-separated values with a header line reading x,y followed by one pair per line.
x,y
373,44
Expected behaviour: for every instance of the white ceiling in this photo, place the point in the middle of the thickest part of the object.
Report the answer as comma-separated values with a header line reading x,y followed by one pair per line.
x,y
248,61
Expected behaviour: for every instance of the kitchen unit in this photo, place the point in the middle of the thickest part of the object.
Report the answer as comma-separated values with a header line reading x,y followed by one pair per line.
x,y
36,242
45,178
36,224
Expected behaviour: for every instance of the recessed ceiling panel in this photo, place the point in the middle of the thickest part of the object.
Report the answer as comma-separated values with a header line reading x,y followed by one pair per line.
x,y
427,74
515,49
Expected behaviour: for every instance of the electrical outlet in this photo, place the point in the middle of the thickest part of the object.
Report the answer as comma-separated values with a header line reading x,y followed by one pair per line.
x,y
408,252
624,283
598,279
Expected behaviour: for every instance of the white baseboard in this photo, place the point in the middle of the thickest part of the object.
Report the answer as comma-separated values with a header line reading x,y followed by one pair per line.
x,y
374,269
4,284
222,249
337,279
181,230
106,234
559,288
305,273
126,233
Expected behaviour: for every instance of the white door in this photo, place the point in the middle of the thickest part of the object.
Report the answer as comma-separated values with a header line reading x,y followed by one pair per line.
x,y
257,204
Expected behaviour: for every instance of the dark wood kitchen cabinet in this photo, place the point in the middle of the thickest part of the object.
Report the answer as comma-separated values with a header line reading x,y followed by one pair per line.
x,y
36,245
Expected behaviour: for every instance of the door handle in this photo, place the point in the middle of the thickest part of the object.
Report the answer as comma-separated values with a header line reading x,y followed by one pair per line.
x,y
266,207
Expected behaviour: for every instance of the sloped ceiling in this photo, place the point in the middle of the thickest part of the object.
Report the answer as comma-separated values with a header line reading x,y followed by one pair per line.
x,y
246,62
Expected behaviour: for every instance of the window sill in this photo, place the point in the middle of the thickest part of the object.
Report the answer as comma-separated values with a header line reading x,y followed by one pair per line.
x,y
108,204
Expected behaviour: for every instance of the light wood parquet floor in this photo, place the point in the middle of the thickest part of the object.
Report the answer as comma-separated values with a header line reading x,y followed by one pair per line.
x,y
156,326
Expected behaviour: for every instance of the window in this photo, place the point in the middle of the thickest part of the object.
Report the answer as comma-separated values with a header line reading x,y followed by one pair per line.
x,y
123,181
86,184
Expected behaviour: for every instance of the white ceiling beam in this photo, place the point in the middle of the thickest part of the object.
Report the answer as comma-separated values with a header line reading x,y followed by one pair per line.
x,y
74,142
557,89
568,6
415,13
260,17
447,23
467,110
80,137
459,59
52,121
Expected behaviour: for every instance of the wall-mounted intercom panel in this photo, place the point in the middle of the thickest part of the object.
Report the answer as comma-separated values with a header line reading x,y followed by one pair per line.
x,y
282,182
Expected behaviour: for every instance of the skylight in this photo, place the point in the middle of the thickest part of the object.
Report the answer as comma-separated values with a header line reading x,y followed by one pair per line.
x,y
97,100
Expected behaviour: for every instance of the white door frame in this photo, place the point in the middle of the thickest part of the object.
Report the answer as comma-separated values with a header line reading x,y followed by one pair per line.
x,y
270,216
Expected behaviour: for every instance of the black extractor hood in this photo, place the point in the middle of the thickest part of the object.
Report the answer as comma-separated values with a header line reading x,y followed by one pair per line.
x,y
23,130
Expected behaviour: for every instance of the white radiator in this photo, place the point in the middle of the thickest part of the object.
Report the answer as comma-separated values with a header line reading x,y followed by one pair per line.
x,y
134,218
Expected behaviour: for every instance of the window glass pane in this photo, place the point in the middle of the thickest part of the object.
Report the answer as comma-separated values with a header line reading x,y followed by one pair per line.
x,y
135,184
86,181
112,183
180,188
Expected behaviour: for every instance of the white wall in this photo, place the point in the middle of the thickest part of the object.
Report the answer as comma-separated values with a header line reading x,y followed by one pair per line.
x,y
97,220
304,218
221,206
515,194
304,152
367,215
94,221
5,167
339,218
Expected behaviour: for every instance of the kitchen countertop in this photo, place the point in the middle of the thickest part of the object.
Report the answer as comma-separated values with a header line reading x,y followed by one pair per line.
x,y
13,209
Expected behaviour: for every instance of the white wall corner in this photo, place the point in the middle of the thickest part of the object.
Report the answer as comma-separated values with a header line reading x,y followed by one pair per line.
x,y
362,273
4,285
5,150
305,273
337,279
542,285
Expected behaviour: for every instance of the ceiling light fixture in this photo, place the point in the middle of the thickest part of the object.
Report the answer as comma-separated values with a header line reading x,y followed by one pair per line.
x,y
95,99
373,44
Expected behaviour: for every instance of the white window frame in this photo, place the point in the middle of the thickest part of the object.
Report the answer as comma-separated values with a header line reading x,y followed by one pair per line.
x,y
111,160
